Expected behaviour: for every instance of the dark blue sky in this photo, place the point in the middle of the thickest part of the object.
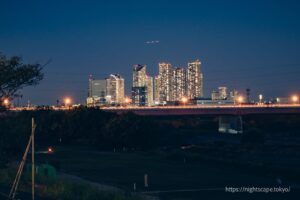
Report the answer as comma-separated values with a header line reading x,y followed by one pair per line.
x,y
241,44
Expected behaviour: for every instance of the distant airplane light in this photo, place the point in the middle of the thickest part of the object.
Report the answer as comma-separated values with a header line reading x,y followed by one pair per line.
x,y
152,42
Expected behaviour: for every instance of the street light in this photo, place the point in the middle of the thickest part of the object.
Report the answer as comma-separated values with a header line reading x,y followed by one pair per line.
x,y
295,99
127,100
6,102
68,102
184,100
240,99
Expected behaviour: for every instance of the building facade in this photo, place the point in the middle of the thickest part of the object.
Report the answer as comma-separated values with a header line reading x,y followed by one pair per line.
x,y
139,76
115,89
139,96
165,75
194,80
178,84
157,90
223,92
150,92
142,87
96,92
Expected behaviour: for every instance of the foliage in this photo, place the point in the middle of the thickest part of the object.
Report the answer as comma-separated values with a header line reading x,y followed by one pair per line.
x,y
76,127
14,75
107,131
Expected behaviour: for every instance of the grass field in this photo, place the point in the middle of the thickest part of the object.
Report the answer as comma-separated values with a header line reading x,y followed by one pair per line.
x,y
167,173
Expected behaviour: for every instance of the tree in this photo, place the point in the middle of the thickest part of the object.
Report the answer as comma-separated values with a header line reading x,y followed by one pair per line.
x,y
15,75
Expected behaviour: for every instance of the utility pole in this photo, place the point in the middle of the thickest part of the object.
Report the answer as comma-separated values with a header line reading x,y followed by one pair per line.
x,y
15,185
33,126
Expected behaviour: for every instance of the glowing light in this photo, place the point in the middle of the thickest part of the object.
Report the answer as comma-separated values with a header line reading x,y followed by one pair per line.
x,y
50,150
260,97
6,102
295,98
240,99
127,100
68,101
184,100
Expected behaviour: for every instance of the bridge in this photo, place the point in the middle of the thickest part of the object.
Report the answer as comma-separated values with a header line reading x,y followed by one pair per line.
x,y
208,109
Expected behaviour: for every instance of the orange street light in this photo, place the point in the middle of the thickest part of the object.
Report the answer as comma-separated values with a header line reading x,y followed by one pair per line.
x,y
240,99
6,102
295,99
184,100
67,101
127,100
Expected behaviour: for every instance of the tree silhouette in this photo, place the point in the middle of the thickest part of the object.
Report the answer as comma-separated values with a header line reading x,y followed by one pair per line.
x,y
14,75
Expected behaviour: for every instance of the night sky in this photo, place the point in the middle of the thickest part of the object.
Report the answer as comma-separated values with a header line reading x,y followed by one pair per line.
x,y
241,44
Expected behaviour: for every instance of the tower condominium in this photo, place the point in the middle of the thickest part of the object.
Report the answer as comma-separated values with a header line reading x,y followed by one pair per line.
x,y
178,84
165,75
142,86
194,80
115,88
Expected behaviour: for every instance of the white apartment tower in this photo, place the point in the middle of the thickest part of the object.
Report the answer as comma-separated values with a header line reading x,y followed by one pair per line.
x,y
150,94
156,89
178,84
115,88
165,75
194,80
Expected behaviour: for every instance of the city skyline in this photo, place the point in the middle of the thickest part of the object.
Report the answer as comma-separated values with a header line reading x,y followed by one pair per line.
x,y
249,44
149,99
171,84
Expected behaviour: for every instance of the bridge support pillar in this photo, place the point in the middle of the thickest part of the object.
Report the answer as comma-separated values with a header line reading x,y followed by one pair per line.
x,y
231,124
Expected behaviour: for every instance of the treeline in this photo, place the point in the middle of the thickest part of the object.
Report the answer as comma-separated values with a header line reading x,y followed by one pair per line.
x,y
77,127
93,127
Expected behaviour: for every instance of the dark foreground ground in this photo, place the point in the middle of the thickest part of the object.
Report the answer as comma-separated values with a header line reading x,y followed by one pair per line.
x,y
184,157
172,174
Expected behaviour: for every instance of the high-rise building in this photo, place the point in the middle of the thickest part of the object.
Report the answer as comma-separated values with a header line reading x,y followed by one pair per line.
x,y
149,85
97,92
142,87
115,89
178,84
139,96
194,80
165,75
97,88
139,76
215,95
223,92
157,89
233,95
